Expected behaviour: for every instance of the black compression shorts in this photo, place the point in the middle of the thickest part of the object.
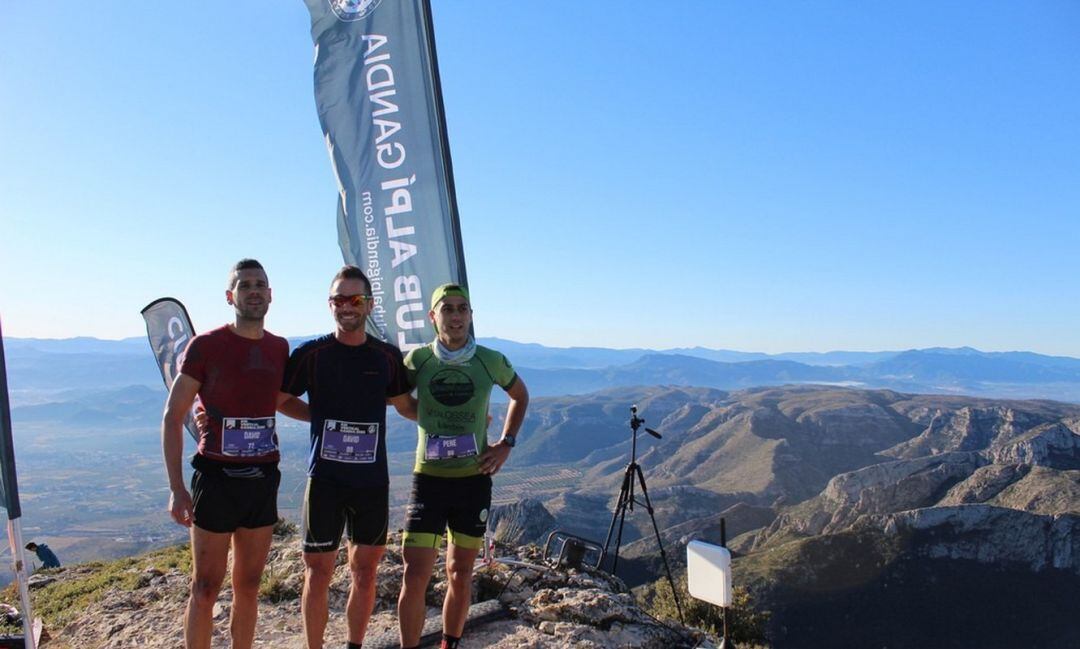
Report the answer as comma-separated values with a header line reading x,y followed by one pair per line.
x,y
361,512
460,504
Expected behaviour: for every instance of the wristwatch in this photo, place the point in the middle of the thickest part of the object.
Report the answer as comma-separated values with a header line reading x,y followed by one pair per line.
x,y
509,439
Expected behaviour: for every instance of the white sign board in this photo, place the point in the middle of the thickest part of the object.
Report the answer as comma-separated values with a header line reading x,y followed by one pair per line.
x,y
708,570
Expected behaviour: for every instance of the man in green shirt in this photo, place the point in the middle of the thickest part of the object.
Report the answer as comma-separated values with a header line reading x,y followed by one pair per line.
x,y
454,461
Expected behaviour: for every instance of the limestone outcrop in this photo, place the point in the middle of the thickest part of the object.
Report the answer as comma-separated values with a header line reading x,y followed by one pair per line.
x,y
987,534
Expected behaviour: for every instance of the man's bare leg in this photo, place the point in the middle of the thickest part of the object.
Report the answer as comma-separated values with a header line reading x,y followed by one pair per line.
x,y
419,563
250,547
318,573
364,567
209,558
459,571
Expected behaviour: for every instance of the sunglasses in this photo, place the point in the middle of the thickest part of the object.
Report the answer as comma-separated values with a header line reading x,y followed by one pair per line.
x,y
351,300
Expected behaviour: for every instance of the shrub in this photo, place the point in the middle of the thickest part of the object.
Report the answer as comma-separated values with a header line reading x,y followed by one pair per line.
x,y
746,625
276,587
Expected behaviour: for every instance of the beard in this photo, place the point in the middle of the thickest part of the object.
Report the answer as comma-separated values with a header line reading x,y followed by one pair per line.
x,y
252,312
353,324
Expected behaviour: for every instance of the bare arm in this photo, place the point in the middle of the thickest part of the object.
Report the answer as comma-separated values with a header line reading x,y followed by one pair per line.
x,y
293,406
515,412
181,397
405,404
492,459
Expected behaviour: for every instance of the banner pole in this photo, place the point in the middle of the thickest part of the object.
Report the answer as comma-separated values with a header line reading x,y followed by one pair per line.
x,y
444,139
9,490
15,539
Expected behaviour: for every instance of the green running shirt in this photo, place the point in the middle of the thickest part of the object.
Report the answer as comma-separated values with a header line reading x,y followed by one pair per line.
x,y
453,407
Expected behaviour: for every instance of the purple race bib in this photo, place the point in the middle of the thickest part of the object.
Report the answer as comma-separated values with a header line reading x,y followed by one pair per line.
x,y
445,448
351,442
248,436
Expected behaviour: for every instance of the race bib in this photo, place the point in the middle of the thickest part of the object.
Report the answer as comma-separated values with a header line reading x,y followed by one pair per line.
x,y
248,436
348,441
445,448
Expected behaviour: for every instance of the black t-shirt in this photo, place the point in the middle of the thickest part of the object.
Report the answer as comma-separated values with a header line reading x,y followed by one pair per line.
x,y
347,389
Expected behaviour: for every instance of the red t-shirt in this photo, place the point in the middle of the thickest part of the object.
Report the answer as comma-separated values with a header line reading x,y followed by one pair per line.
x,y
240,381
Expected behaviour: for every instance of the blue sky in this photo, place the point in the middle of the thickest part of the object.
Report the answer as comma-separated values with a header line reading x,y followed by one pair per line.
x,y
759,176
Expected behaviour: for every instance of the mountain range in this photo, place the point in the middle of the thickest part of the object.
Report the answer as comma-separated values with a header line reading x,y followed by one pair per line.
x,y
38,366
859,517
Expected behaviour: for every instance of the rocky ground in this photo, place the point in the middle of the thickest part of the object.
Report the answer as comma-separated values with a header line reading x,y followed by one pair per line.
x,y
543,607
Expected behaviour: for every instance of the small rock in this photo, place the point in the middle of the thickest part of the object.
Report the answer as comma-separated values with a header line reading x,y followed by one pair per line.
x,y
38,581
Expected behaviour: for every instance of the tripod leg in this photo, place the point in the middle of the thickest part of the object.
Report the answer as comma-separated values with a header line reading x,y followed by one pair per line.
x,y
618,539
620,508
659,543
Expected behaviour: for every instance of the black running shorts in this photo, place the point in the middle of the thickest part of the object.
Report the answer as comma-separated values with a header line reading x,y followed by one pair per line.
x,y
361,512
223,504
460,504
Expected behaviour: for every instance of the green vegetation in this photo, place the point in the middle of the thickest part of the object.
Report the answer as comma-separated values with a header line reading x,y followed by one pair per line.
x,y
811,563
57,602
278,587
746,624
81,585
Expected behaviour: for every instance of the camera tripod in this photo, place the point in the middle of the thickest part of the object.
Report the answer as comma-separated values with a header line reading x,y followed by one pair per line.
x,y
627,500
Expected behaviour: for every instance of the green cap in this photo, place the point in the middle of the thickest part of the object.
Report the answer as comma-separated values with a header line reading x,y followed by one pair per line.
x,y
448,290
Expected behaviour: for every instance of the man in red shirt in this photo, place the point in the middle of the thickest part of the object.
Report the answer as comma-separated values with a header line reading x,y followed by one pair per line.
x,y
236,371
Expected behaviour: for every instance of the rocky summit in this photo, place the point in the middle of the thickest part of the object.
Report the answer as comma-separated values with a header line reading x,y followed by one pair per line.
x,y
521,601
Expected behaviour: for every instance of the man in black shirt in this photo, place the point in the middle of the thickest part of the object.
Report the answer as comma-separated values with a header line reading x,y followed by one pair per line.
x,y
349,377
